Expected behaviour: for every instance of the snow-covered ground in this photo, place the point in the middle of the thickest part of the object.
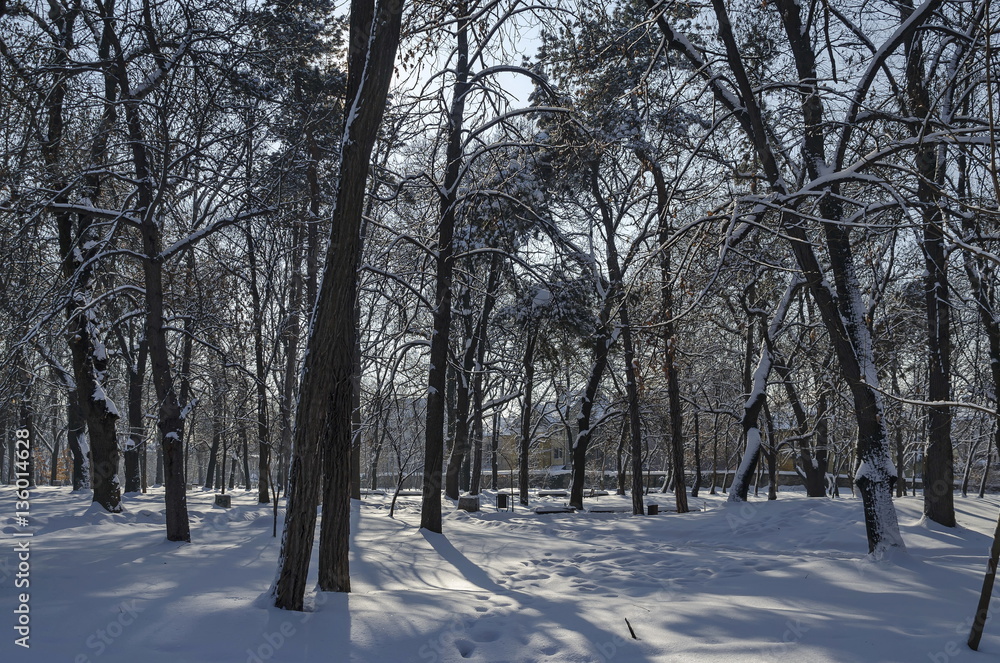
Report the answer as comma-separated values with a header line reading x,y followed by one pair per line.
x,y
764,581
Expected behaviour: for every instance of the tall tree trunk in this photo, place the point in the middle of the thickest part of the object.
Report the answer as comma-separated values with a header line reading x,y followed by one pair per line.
x,y
292,332
986,473
78,245
170,415
616,278
158,479
527,406
939,461
664,232
430,511
812,467
476,478
635,422
900,451
621,485
602,345
757,395
260,375
715,454
323,420
463,386
356,423
697,457
136,425
54,456
211,480
771,453
494,452
245,453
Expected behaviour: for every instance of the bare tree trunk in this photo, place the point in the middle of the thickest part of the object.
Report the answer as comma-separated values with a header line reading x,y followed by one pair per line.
x,y
812,468
621,474
602,344
136,416
939,461
635,423
697,457
494,447
771,453
293,330
76,432
986,473
756,400
524,444
476,478
715,454
323,420
245,444
78,245
170,416
460,443
211,480
260,382
616,278
674,409
430,511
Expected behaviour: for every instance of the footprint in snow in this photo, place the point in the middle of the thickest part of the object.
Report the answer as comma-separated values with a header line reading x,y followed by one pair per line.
x,y
465,648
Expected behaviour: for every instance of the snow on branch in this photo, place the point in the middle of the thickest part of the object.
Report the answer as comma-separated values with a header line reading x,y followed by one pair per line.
x,y
198,235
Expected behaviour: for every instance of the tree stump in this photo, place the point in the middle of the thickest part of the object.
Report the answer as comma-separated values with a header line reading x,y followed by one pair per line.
x,y
469,503
225,501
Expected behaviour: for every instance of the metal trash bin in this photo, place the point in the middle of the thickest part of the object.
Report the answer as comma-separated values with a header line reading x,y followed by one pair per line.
x,y
502,504
652,509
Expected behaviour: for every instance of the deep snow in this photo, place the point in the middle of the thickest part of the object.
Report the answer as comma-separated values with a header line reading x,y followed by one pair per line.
x,y
762,581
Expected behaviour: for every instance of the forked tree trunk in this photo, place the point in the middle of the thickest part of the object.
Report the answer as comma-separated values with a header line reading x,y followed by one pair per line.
x,y
811,466
757,396
616,295
323,420
170,417
78,245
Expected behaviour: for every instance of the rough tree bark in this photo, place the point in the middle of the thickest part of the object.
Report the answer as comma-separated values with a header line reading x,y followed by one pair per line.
x,y
430,511
323,419
78,244
939,459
